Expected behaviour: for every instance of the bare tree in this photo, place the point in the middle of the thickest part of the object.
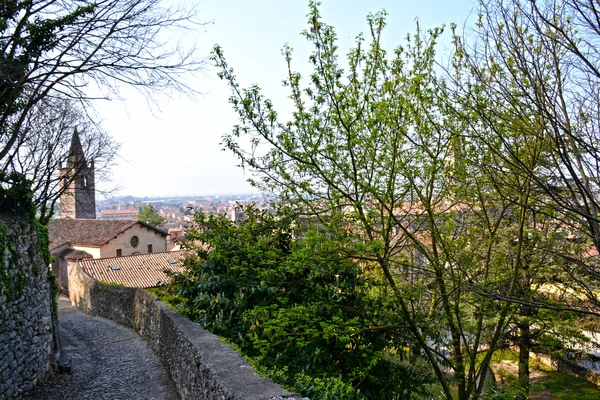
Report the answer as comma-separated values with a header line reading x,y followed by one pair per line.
x,y
42,149
62,47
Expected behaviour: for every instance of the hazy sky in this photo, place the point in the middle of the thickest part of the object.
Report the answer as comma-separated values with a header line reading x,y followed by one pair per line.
x,y
176,150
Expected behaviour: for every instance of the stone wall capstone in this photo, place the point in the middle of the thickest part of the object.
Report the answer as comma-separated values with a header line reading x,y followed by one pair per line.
x,y
199,363
27,319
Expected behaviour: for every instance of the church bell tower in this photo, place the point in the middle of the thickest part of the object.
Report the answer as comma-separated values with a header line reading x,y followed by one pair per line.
x,y
78,199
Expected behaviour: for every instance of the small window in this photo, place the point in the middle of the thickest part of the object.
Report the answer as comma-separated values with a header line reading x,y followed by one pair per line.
x,y
134,241
119,253
149,248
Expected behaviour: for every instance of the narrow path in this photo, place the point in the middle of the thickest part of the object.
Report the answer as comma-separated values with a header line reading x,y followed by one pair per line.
x,y
109,361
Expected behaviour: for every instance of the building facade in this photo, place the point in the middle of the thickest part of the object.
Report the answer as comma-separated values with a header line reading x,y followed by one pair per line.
x,y
79,239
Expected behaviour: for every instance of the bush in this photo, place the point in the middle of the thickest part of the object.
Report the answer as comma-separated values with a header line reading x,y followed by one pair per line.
x,y
303,314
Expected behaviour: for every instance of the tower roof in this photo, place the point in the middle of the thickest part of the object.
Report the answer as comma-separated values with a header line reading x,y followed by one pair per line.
x,y
76,155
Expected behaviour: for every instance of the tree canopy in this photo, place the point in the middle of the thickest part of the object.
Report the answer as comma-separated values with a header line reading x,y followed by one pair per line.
x,y
449,182
149,215
306,317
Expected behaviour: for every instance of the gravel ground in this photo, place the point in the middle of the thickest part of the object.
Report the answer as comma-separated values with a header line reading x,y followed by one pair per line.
x,y
108,360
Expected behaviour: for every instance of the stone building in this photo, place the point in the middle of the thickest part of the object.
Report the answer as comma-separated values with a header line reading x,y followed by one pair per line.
x,y
78,235
76,239
78,199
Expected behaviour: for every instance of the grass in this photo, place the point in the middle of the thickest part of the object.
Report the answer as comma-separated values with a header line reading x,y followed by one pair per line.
x,y
564,386
546,384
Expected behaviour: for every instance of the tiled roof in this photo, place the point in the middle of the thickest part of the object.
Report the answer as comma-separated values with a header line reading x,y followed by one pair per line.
x,y
141,270
89,231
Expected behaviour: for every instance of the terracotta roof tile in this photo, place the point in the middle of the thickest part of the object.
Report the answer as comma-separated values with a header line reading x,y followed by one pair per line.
x,y
89,231
141,270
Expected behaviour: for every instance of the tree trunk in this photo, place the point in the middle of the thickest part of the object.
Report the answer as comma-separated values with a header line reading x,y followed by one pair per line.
x,y
524,347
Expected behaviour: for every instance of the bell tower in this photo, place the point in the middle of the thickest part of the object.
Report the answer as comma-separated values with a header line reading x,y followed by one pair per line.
x,y
78,198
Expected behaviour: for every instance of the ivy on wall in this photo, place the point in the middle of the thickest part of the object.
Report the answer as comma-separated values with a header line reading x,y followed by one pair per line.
x,y
13,279
16,203
16,196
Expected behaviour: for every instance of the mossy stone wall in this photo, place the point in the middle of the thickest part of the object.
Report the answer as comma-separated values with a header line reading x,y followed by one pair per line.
x,y
27,308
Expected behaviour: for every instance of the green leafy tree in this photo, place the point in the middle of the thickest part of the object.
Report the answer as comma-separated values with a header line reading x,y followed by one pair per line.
x,y
309,318
149,215
525,87
403,169
534,73
371,155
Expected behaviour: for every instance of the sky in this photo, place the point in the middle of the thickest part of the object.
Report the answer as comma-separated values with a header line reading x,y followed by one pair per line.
x,y
173,147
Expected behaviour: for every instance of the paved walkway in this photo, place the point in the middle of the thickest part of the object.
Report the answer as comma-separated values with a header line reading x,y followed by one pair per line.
x,y
109,361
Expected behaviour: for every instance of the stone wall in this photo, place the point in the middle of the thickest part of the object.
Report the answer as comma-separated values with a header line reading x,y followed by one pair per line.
x,y
27,321
581,365
200,365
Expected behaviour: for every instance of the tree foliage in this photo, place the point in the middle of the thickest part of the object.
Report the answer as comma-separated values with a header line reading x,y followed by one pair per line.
x,y
149,215
534,75
526,87
444,181
307,316
16,197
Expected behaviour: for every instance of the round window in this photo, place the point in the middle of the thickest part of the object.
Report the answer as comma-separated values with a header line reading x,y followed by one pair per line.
x,y
134,241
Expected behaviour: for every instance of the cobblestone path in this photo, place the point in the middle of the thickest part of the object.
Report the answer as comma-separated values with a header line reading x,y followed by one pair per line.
x,y
109,361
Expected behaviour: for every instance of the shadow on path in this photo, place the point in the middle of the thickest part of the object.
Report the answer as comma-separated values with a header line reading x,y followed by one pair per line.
x,y
108,360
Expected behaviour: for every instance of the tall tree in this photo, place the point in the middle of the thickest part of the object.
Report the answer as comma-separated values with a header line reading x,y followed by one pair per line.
x,y
448,182
372,155
525,83
541,60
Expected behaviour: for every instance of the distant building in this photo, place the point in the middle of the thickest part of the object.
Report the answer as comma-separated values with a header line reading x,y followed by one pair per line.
x,y
119,214
175,234
77,239
76,180
236,215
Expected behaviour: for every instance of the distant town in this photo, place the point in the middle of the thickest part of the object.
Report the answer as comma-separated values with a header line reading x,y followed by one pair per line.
x,y
178,210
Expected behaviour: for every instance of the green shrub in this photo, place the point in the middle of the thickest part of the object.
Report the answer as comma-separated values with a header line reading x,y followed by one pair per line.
x,y
306,316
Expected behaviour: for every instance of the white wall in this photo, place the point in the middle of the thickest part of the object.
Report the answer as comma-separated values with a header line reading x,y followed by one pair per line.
x,y
146,236
93,251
